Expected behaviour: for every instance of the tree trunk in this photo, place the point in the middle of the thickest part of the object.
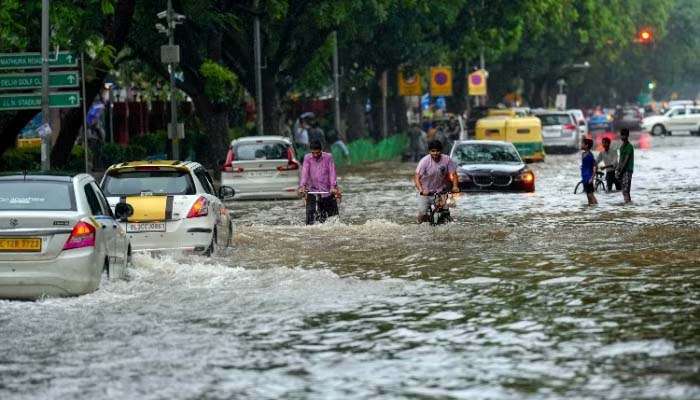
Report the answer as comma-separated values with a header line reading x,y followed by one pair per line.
x,y
272,107
357,126
10,127
398,121
457,103
215,119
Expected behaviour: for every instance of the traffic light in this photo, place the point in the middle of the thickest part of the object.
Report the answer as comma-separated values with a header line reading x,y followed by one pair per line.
x,y
645,36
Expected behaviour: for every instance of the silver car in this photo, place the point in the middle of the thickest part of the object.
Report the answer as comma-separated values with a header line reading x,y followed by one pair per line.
x,y
261,167
57,235
559,130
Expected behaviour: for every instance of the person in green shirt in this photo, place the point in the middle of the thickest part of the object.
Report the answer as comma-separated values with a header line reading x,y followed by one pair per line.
x,y
626,165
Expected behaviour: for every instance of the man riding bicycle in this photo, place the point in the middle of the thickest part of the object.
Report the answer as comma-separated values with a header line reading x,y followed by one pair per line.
x,y
433,173
318,184
608,158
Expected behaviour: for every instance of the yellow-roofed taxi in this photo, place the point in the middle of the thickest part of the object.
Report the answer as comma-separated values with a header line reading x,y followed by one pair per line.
x,y
175,206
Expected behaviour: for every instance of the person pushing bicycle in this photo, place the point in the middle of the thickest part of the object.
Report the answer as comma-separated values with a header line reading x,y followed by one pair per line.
x,y
433,172
318,184
609,160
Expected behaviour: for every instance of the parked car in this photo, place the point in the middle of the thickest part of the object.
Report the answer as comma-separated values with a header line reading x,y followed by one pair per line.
x,y
628,117
580,121
490,165
57,235
261,167
676,119
175,206
559,130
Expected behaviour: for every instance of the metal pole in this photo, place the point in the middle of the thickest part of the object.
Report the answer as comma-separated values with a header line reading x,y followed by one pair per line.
x,y
46,139
258,75
111,115
85,134
336,86
385,114
173,99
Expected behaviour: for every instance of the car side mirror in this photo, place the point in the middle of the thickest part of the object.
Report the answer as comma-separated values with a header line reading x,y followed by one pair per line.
x,y
226,193
122,211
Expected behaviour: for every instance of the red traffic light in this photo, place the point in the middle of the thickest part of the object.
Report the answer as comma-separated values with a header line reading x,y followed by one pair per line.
x,y
645,36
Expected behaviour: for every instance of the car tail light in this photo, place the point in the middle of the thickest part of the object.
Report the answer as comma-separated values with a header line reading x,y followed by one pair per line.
x,y
291,162
199,208
569,127
83,235
228,164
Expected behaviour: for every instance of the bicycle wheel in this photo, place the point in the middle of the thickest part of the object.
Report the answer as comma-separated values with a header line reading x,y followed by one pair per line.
x,y
578,186
599,186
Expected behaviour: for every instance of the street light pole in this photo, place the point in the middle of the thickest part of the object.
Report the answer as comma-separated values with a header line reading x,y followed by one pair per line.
x,y
173,99
46,136
258,73
336,86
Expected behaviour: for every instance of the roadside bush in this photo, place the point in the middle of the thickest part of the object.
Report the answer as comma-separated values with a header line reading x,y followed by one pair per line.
x,y
155,143
134,152
367,151
28,158
112,153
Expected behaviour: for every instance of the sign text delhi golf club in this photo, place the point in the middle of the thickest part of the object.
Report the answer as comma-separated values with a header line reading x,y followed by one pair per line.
x,y
33,80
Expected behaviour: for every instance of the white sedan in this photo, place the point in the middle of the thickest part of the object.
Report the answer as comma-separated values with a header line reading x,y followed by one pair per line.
x,y
677,119
57,235
175,206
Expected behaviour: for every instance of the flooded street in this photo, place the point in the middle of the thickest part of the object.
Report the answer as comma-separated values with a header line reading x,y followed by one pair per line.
x,y
524,296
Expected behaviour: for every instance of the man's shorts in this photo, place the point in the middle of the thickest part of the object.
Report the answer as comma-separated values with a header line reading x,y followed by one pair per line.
x,y
626,181
423,203
588,187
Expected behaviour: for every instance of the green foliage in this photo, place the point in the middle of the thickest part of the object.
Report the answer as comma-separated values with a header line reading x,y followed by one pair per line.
x,y
154,143
221,85
364,151
112,153
27,158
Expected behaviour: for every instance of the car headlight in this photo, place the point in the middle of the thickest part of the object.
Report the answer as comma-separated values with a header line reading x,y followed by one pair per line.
x,y
464,177
526,177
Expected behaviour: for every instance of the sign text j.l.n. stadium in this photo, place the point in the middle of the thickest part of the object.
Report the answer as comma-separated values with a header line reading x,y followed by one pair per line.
x,y
29,101
33,60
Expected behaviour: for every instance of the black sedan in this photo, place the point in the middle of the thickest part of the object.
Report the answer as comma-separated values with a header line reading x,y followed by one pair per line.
x,y
491,166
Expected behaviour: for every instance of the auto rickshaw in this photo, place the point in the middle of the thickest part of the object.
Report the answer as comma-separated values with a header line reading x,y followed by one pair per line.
x,y
524,132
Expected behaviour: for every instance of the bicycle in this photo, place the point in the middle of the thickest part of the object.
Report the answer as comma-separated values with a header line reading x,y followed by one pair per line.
x,y
438,210
320,215
598,184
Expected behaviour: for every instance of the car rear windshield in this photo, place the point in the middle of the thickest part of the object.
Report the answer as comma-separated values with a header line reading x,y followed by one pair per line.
x,y
137,183
29,195
555,119
485,154
261,151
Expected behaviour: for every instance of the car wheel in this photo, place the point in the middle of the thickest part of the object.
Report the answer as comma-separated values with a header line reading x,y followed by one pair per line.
x,y
129,259
599,187
105,268
658,130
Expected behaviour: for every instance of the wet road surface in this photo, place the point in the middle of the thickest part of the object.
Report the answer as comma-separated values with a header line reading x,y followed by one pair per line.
x,y
524,296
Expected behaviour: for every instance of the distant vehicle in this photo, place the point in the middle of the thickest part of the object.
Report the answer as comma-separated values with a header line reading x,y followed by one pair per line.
x,y
175,206
57,235
600,122
580,121
628,117
677,119
525,133
681,103
490,165
261,167
560,130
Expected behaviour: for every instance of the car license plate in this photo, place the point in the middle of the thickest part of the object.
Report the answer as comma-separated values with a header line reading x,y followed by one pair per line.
x,y
551,133
260,173
28,245
145,227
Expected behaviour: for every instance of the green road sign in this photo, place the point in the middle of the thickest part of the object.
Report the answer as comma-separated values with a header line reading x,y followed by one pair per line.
x,y
33,80
28,101
33,60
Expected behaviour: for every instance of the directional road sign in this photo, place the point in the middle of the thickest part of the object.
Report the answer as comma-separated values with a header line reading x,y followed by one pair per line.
x,y
27,101
33,60
33,80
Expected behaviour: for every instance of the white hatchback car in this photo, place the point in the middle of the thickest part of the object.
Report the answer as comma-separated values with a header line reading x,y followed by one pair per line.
x,y
175,206
57,235
261,167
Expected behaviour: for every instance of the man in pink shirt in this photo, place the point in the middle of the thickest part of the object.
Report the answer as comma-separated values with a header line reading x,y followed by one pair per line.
x,y
433,173
319,184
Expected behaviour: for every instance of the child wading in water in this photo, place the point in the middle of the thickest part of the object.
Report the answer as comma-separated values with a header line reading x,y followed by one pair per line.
x,y
588,169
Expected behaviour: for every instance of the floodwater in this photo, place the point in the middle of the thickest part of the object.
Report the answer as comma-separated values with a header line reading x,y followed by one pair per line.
x,y
525,296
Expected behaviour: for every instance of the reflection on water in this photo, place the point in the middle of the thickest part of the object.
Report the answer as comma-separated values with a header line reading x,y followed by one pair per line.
x,y
525,296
